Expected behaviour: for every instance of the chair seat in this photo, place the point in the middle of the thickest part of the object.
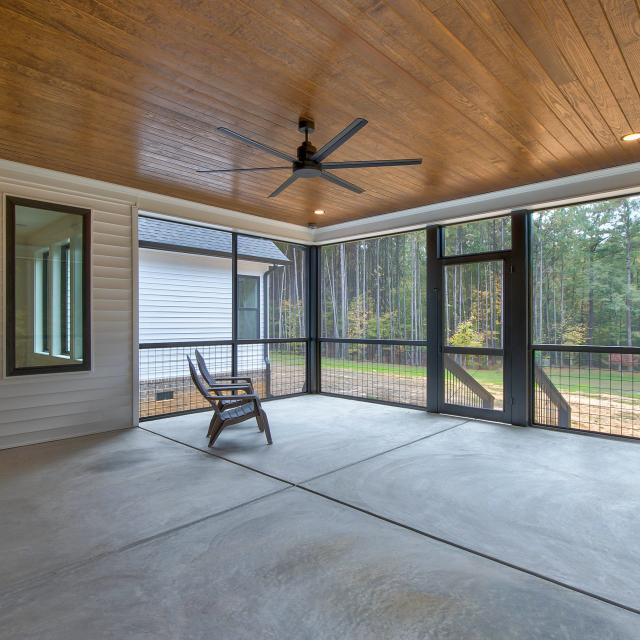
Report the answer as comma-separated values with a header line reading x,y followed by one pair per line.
x,y
237,412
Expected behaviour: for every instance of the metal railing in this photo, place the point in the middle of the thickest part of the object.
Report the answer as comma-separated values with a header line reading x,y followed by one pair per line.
x,y
598,388
550,405
461,388
277,368
378,370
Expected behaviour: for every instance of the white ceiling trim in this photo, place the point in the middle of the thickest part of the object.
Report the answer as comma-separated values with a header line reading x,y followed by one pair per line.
x,y
175,208
539,195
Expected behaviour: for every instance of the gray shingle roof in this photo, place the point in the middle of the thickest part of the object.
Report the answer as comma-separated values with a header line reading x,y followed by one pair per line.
x,y
194,239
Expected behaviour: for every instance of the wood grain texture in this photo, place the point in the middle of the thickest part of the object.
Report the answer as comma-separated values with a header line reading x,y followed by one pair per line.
x,y
491,93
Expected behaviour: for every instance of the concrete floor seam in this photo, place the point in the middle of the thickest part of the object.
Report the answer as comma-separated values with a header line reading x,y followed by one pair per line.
x,y
322,475
219,457
472,551
35,580
300,485
382,453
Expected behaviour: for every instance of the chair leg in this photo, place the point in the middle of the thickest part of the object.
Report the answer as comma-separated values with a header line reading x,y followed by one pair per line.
x,y
265,426
216,433
213,425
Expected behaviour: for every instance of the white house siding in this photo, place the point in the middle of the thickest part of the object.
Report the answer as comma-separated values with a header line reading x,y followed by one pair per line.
x,y
186,297
44,407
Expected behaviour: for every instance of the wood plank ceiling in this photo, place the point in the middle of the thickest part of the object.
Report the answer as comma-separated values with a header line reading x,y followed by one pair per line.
x,y
491,93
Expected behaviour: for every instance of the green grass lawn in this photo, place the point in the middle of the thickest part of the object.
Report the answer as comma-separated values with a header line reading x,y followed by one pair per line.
x,y
601,381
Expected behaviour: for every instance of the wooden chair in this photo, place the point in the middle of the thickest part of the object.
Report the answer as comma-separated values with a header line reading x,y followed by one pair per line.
x,y
212,381
228,410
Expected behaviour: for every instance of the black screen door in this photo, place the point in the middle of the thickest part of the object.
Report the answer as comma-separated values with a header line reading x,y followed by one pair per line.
x,y
473,376
471,319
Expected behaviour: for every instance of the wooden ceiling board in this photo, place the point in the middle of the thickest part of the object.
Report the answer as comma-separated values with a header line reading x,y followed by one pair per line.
x,y
490,93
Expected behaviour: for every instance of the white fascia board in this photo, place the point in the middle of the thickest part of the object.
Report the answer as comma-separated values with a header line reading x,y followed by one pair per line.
x,y
603,183
164,206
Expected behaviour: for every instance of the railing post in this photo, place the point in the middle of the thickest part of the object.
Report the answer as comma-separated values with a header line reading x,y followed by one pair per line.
x,y
313,325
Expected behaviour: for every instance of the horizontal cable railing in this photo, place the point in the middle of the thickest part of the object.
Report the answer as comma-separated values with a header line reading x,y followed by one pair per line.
x,y
277,368
380,370
596,390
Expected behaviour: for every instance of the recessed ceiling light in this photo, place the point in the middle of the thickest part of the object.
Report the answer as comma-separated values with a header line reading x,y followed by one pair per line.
x,y
630,137
318,212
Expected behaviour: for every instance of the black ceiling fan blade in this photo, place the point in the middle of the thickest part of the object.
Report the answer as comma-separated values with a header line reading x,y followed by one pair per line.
x,y
287,183
339,140
249,169
256,144
340,182
361,164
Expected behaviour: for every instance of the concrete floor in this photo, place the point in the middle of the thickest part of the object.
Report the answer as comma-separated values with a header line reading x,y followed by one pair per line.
x,y
357,534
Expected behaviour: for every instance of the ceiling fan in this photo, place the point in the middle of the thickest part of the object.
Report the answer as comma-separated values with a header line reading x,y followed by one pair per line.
x,y
309,162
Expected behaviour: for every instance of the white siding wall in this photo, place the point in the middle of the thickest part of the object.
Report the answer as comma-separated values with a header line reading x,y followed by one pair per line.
x,y
45,407
183,297
186,297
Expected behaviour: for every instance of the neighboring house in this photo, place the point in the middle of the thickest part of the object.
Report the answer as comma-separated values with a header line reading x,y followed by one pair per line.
x,y
185,276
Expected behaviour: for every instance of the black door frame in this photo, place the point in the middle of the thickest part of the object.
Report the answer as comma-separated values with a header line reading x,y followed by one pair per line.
x,y
514,351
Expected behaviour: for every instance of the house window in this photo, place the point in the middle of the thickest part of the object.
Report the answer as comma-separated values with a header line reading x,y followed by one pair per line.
x,y
248,307
47,287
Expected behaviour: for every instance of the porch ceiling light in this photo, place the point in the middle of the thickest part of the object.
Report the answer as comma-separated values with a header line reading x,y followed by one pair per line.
x,y
630,137
318,212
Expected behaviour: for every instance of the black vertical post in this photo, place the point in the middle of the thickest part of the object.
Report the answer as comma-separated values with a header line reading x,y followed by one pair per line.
x,y
434,330
266,289
519,319
234,304
313,308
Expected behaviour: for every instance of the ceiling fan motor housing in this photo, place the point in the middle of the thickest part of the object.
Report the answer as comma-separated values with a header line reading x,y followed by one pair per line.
x,y
305,167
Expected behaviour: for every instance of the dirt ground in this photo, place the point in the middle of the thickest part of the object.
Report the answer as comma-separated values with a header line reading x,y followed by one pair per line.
x,y
599,413
605,413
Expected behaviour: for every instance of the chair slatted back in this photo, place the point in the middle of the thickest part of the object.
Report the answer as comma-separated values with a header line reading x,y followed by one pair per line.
x,y
200,386
202,365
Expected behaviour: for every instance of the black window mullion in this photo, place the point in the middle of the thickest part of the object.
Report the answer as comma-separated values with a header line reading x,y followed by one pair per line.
x,y
518,334
65,337
435,393
44,292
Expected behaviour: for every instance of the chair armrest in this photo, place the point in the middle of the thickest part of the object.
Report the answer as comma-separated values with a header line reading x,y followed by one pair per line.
x,y
234,378
242,398
231,387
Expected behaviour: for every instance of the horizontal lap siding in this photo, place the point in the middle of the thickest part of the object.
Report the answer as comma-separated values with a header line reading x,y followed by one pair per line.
x,y
183,297
45,407
186,297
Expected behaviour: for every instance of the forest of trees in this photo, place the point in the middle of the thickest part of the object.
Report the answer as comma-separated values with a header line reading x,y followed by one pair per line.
x,y
286,294
375,288
473,291
586,274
